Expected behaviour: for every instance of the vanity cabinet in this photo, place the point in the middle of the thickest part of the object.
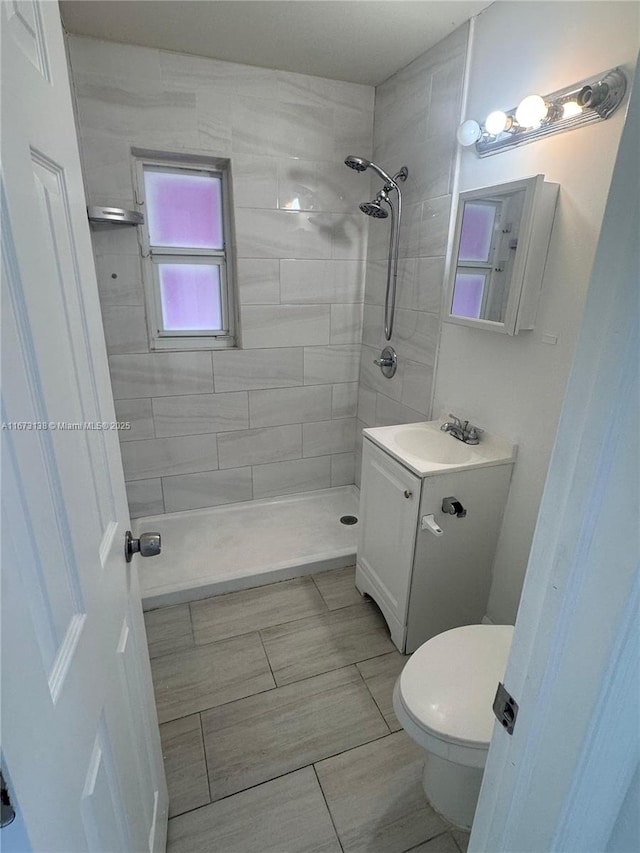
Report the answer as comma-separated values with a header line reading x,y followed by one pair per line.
x,y
426,583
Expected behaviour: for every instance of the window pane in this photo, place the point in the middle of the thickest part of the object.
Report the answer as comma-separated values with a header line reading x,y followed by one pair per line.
x,y
183,211
467,294
477,231
190,297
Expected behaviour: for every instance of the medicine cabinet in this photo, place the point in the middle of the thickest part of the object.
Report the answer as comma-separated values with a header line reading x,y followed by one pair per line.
x,y
499,253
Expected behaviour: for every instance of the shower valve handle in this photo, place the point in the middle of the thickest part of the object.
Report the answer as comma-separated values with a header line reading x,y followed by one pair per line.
x,y
385,361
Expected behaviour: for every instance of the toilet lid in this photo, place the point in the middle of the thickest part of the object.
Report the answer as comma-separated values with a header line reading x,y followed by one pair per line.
x,y
449,683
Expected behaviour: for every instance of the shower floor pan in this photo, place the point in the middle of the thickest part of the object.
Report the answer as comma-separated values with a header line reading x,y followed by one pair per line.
x,y
226,548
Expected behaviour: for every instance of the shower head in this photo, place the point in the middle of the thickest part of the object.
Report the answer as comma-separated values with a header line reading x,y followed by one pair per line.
x,y
374,208
359,164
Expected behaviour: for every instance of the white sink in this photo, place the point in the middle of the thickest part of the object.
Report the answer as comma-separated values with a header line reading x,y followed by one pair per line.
x,y
425,449
440,447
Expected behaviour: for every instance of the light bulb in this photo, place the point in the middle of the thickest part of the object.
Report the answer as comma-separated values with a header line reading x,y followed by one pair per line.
x,y
531,111
496,122
468,132
571,109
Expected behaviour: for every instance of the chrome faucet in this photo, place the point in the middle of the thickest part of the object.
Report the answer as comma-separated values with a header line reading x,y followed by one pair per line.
x,y
462,430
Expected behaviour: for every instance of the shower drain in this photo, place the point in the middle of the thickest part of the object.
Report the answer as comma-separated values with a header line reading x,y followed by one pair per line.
x,y
348,519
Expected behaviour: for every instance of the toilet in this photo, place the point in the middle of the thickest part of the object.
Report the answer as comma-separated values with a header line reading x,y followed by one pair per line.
x,y
443,699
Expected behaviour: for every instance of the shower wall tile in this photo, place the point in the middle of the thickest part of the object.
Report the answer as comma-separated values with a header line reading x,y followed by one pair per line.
x,y
255,446
285,325
344,400
346,323
258,281
157,457
417,380
110,241
304,89
201,413
321,281
352,134
119,280
139,414
416,334
373,325
317,185
114,60
183,71
105,160
213,111
328,437
275,233
298,475
161,374
207,488
252,369
289,405
301,248
255,181
348,238
125,329
275,128
145,497
390,412
421,287
343,469
435,226
366,405
376,278
331,364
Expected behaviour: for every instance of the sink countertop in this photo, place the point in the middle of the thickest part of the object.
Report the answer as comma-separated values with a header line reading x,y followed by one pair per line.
x,y
492,449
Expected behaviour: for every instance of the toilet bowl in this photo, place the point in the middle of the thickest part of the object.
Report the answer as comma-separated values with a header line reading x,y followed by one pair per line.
x,y
443,699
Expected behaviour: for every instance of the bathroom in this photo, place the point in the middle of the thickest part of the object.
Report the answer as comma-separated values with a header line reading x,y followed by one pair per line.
x,y
311,293
277,420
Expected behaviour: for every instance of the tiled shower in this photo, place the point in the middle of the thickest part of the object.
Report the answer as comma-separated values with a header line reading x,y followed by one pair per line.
x,y
283,413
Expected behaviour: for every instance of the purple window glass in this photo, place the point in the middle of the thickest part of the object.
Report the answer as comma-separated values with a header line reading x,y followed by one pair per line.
x,y
190,297
183,211
477,230
467,294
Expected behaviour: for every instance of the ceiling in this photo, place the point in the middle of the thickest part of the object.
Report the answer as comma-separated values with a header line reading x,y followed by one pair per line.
x,y
362,41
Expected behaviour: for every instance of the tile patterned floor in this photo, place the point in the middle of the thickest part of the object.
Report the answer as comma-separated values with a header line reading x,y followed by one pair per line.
x,y
278,729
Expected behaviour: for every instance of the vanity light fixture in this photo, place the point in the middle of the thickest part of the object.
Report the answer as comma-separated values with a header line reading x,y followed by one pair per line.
x,y
536,116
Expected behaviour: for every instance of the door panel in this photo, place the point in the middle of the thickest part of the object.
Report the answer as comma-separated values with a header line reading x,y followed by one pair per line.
x,y
80,733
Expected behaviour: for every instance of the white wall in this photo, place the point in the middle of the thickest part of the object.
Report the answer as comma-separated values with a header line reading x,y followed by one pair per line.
x,y
515,386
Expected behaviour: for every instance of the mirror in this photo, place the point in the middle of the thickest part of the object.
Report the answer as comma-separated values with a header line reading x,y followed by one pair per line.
x,y
493,270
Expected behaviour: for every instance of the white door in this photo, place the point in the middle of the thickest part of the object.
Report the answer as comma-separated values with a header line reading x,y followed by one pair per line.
x,y
80,736
566,780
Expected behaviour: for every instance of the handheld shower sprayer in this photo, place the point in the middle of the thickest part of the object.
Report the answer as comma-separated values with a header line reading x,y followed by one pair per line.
x,y
377,211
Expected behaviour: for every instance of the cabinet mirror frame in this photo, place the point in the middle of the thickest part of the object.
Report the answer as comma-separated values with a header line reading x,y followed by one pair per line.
x,y
516,250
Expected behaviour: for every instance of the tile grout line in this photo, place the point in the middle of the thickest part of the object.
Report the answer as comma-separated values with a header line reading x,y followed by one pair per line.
x,y
264,649
373,699
428,840
206,762
333,823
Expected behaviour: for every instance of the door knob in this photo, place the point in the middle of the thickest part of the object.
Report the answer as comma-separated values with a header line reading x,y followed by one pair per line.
x,y
148,545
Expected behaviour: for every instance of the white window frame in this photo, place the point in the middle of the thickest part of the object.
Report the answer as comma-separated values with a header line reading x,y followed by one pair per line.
x,y
159,337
